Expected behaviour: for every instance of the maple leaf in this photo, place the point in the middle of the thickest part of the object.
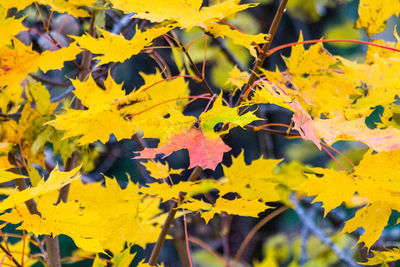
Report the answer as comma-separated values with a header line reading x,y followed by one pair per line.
x,y
334,129
237,78
56,180
115,48
6,176
223,114
167,192
237,206
101,119
187,13
159,170
204,151
259,180
50,60
96,217
108,110
373,14
246,40
377,185
303,123
382,257
203,142
9,27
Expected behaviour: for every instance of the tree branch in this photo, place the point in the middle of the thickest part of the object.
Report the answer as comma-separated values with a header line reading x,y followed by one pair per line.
x,y
261,58
170,218
309,223
85,67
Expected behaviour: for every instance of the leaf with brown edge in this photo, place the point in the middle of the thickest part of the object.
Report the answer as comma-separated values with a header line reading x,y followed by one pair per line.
x,y
204,151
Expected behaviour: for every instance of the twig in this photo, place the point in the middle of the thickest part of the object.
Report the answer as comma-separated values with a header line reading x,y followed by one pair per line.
x,y
47,80
10,256
304,236
71,163
255,229
309,223
122,23
226,225
179,242
284,133
195,69
62,95
229,55
261,58
171,215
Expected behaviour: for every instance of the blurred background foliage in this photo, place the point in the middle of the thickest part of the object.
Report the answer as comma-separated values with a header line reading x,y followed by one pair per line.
x,y
283,240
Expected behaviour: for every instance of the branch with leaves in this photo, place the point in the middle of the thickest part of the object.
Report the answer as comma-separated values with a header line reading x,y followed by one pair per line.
x,y
197,95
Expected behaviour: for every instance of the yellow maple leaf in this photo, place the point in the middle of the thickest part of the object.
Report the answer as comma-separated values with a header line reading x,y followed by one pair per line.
x,y
187,13
159,170
9,27
377,185
96,217
252,182
115,48
237,206
56,180
246,40
382,257
101,119
373,14
237,78
167,192
50,60
373,218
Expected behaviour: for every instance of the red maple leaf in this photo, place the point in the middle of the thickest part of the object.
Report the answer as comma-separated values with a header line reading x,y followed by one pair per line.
x,y
204,151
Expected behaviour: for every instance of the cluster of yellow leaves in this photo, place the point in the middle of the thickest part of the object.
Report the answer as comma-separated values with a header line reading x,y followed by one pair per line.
x,y
70,6
190,13
377,187
96,217
329,95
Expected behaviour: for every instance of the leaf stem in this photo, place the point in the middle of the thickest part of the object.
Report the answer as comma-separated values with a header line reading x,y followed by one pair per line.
x,y
275,49
261,58
196,70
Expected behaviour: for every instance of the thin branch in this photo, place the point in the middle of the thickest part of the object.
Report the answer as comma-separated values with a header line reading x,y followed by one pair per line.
x,y
195,69
53,251
229,55
122,23
170,218
309,223
10,256
62,95
275,49
284,133
48,80
85,67
255,229
261,58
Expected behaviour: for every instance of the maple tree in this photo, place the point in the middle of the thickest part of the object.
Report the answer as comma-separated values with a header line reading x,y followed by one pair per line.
x,y
52,131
